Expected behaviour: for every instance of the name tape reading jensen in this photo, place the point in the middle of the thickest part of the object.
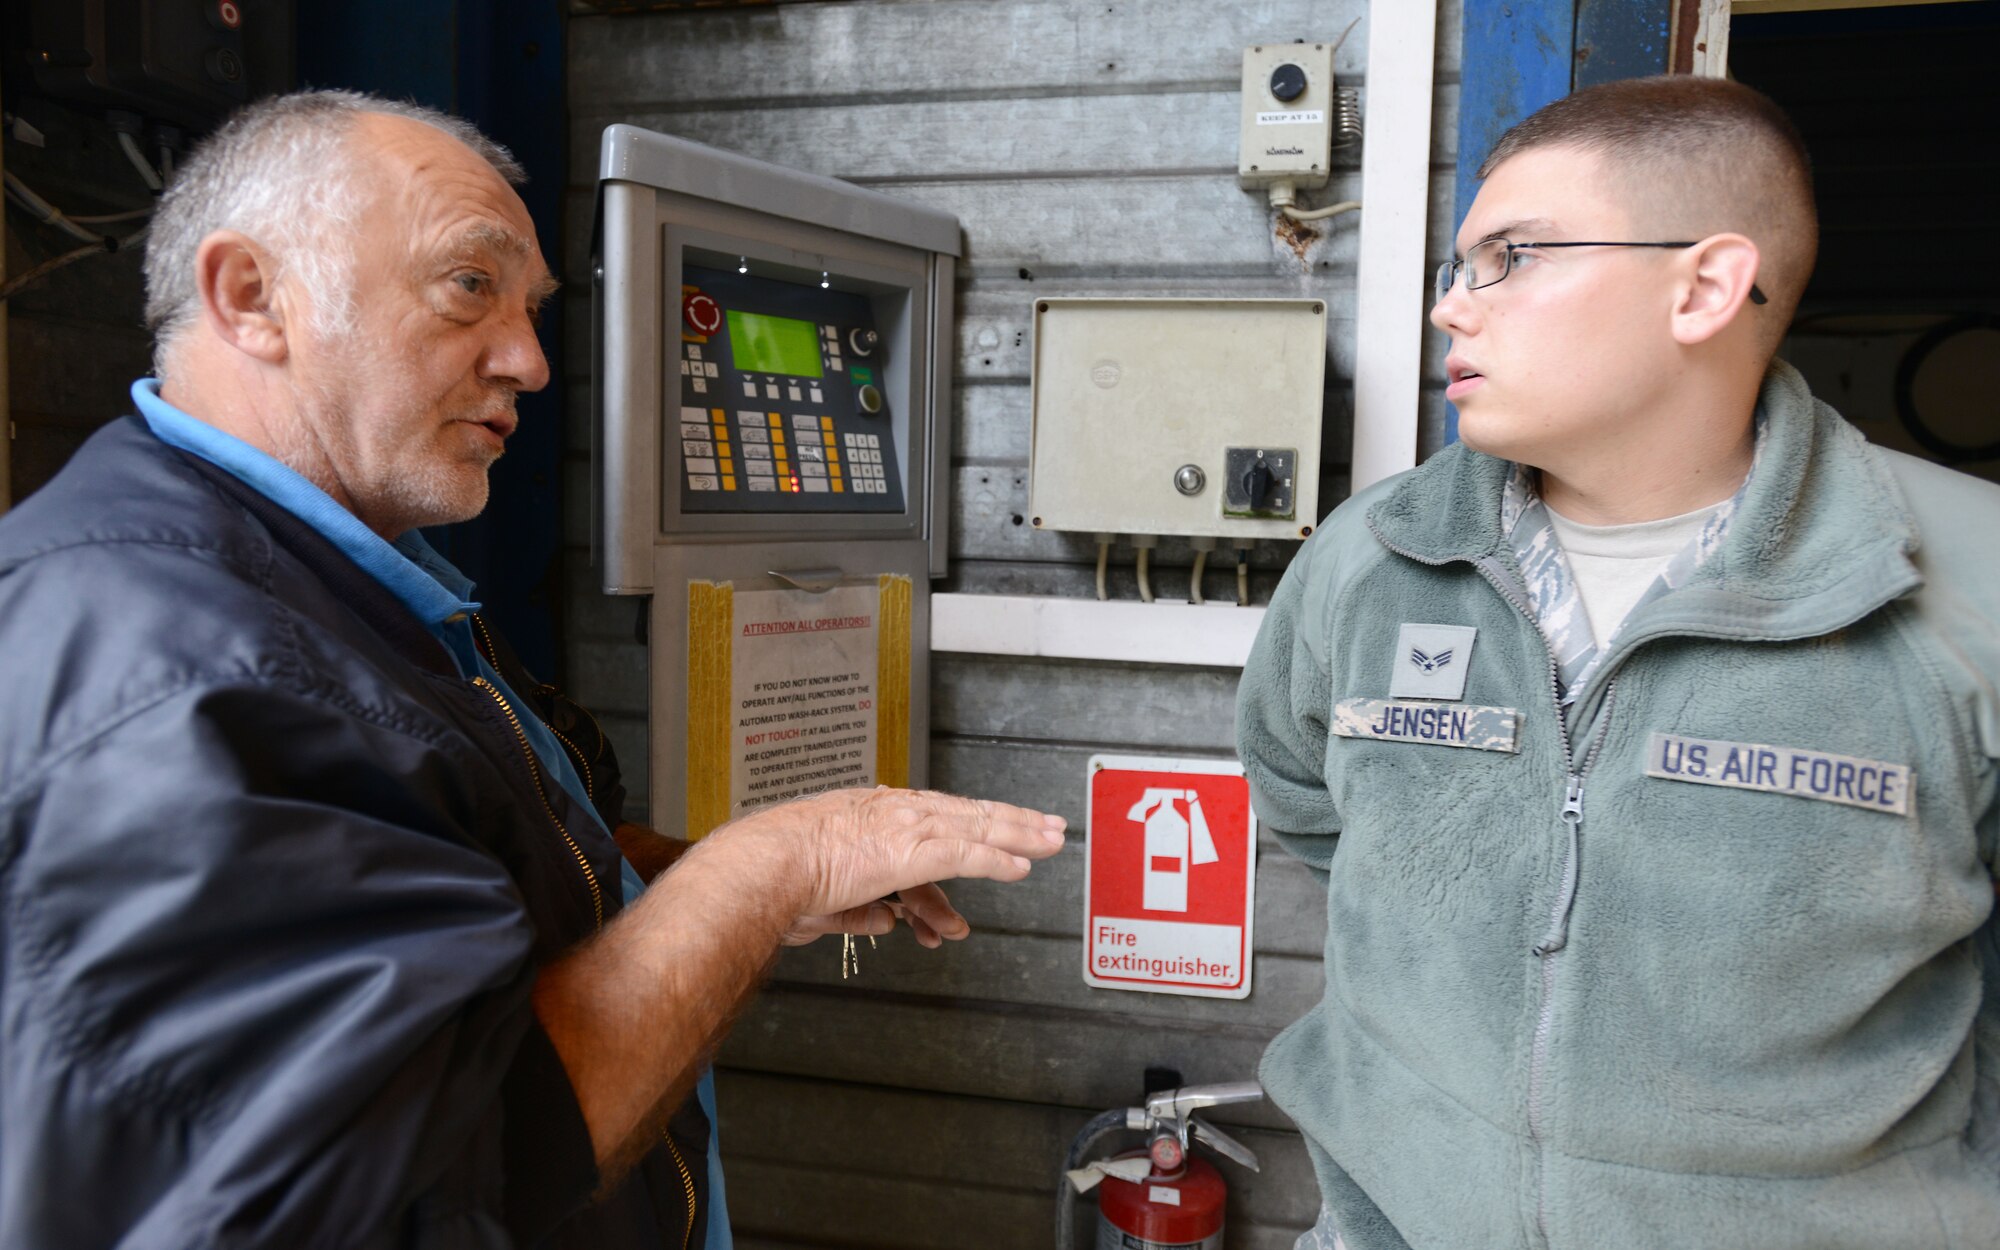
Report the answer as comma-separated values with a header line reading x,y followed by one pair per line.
x,y
1436,724
1873,784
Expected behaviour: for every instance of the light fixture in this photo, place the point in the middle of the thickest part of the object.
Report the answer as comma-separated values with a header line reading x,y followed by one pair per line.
x,y
824,281
742,264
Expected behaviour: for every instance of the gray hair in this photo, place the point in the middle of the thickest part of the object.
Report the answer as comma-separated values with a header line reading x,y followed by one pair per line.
x,y
277,172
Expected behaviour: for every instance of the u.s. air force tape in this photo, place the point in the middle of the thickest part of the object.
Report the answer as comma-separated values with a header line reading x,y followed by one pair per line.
x,y
1435,724
1806,774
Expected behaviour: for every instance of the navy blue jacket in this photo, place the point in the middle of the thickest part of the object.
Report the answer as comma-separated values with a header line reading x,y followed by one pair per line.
x,y
276,881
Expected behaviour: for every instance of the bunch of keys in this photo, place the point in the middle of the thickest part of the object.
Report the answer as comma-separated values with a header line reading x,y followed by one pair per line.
x,y
850,955
850,952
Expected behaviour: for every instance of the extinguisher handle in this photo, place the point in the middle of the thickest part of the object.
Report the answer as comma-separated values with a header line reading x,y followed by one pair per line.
x,y
1175,1105
1223,1144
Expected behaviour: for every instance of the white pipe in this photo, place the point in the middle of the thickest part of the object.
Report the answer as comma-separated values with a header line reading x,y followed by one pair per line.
x,y
1389,290
1217,635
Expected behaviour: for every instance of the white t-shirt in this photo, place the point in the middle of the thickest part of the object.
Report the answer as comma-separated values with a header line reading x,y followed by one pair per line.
x,y
1614,564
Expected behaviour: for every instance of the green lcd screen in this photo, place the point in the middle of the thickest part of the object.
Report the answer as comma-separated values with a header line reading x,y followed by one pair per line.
x,y
774,344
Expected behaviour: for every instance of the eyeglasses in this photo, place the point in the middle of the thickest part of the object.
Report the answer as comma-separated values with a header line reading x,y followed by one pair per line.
x,y
1491,260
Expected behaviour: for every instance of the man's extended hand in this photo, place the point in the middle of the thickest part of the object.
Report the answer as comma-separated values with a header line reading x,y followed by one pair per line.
x,y
854,849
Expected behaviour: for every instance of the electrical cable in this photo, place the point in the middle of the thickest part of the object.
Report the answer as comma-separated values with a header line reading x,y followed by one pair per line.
x,y
108,219
1145,579
1320,214
1103,560
47,267
139,161
1242,577
1194,579
25,196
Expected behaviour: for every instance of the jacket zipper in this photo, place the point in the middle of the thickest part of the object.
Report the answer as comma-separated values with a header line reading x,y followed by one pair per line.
x,y
492,656
589,877
1556,936
687,1183
535,775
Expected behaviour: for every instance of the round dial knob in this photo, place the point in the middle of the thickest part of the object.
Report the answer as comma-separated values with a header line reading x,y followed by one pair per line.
x,y
870,399
862,342
1288,82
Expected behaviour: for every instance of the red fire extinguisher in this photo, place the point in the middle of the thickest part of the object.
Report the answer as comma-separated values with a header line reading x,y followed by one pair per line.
x,y
1159,1198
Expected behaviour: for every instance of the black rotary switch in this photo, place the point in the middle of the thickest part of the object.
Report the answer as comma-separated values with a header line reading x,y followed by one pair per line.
x,y
1288,82
1257,483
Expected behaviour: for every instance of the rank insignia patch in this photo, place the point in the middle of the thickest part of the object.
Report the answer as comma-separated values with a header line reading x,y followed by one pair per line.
x,y
1431,661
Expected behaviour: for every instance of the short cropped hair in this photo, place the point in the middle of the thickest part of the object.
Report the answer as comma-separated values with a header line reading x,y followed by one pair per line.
x,y
1694,157
277,171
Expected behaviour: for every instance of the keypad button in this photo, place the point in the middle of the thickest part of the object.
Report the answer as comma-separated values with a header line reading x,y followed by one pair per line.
x,y
749,390
770,390
703,481
762,483
792,393
684,368
694,351
818,396
815,485
697,447
756,451
700,387
709,369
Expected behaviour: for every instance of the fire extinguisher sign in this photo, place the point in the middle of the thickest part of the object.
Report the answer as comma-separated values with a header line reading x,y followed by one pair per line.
x,y
1170,878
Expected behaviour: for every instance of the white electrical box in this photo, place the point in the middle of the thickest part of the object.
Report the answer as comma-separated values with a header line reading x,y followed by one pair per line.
x,y
1192,417
1289,110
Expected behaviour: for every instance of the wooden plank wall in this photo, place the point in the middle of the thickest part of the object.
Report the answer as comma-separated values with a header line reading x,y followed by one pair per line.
x,y
1089,148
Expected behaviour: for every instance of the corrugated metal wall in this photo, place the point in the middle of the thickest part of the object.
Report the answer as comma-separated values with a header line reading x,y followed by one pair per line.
x,y
1089,148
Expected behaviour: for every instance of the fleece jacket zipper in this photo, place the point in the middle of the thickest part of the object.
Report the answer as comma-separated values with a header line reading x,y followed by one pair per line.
x,y
1556,936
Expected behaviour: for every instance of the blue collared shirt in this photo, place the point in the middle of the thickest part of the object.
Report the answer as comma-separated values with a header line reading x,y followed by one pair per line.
x,y
423,581
439,596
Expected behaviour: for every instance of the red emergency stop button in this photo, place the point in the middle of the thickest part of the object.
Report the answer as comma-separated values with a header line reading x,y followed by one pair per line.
x,y
704,315
229,13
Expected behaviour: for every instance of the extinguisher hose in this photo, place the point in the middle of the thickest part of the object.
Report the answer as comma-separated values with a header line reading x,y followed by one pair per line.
x,y
1091,1133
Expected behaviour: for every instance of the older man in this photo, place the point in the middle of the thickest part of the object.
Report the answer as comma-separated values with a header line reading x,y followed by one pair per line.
x,y
311,936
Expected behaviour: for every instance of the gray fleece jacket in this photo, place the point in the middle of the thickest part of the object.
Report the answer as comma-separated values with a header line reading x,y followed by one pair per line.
x,y
1705,959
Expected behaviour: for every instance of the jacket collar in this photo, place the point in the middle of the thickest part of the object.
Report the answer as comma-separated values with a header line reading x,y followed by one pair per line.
x,y
1822,536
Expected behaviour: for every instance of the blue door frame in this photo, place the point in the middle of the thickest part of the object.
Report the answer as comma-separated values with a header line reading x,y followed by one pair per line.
x,y
1517,55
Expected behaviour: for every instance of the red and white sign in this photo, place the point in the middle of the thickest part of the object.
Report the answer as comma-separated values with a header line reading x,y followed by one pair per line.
x,y
1171,876
703,314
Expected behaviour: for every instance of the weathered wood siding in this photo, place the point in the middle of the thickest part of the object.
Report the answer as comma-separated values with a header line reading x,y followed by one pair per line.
x,y
1089,148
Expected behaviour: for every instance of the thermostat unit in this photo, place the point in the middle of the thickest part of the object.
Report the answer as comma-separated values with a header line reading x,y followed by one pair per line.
x,y
1186,417
1290,109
